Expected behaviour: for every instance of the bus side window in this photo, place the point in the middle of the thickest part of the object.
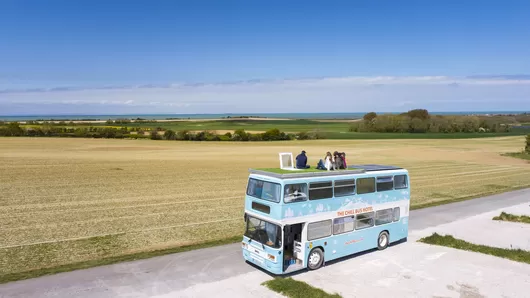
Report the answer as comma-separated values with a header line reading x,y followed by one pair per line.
x,y
365,185
400,182
319,229
396,214
320,190
364,220
295,192
385,183
344,187
384,216
343,225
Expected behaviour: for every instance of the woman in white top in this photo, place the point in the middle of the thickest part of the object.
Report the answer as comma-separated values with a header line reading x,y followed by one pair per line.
x,y
328,161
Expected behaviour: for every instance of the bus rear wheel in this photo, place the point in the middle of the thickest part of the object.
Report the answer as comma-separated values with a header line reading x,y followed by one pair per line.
x,y
382,240
315,259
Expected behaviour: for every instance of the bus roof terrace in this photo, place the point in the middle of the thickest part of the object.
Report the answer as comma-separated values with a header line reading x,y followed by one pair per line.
x,y
308,173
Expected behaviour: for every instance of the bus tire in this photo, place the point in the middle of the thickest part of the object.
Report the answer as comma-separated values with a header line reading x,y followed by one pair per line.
x,y
383,240
315,259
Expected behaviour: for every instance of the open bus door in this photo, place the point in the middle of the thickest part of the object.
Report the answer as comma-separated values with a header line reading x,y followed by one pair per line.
x,y
293,250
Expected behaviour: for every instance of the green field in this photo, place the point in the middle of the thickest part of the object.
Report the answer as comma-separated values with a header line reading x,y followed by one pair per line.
x,y
328,129
247,125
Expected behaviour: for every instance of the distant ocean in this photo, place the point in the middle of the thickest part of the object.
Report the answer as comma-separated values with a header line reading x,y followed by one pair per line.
x,y
219,116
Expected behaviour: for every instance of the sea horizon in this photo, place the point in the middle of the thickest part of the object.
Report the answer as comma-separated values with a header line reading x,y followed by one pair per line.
x,y
353,115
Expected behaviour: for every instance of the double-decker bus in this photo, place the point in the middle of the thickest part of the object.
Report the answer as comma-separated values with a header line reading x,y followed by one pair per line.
x,y
299,219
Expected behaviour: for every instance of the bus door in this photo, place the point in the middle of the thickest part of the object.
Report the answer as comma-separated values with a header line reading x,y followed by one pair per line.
x,y
293,250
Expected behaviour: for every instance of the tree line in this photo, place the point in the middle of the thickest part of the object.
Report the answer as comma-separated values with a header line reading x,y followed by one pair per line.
x,y
13,129
420,121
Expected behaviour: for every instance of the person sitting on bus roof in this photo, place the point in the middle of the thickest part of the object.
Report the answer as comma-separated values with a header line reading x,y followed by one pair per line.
x,y
337,161
327,163
301,161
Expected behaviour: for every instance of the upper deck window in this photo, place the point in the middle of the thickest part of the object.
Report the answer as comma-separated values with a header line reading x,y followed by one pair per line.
x,y
385,183
264,190
320,190
365,185
295,192
344,187
400,182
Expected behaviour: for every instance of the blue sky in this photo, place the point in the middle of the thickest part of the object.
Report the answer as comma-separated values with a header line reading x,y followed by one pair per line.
x,y
262,56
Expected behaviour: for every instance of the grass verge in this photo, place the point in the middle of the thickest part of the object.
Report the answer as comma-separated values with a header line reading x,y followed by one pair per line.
x,y
521,155
113,260
513,218
296,289
517,255
301,171
282,171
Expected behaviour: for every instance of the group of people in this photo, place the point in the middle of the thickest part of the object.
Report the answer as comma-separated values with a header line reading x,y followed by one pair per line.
x,y
334,161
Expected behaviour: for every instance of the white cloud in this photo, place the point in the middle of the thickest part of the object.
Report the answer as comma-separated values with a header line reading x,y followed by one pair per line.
x,y
343,94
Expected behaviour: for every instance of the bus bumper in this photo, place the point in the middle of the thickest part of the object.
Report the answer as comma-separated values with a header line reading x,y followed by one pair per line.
x,y
274,268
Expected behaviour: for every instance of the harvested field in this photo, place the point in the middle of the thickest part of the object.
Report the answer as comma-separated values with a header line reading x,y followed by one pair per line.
x,y
71,200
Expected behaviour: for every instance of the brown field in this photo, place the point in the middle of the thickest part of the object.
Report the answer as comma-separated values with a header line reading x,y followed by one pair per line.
x,y
72,200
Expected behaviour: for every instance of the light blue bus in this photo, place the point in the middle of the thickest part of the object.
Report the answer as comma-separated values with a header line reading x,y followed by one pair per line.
x,y
299,219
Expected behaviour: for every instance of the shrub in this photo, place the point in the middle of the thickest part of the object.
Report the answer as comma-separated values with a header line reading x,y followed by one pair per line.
x,y
255,137
527,147
274,135
170,135
122,121
240,135
183,135
212,137
137,136
354,127
419,113
303,135
155,136
12,129
369,116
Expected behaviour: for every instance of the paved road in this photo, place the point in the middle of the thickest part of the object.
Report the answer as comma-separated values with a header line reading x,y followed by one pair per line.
x,y
165,274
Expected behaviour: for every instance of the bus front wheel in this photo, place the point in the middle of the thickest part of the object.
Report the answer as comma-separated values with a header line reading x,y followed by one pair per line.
x,y
315,259
382,240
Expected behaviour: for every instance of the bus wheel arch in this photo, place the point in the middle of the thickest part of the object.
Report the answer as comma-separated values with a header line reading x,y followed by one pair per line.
x,y
315,258
383,240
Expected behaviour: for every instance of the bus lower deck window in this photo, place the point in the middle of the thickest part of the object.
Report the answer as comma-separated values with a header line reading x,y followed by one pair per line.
x,y
364,220
384,216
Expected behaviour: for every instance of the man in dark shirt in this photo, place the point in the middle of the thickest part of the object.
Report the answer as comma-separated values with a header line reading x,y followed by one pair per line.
x,y
301,161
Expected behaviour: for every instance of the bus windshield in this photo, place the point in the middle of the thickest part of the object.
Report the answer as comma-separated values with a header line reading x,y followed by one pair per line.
x,y
264,232
264,190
